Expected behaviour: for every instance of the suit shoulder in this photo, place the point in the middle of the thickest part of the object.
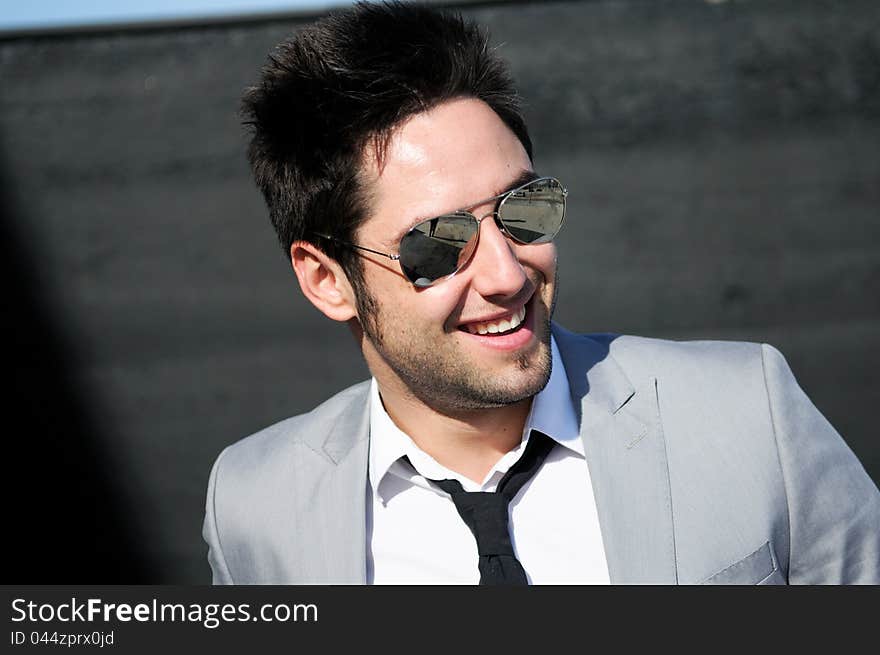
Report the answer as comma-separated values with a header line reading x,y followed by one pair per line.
x,y
273,443
641,357
649,356
661,356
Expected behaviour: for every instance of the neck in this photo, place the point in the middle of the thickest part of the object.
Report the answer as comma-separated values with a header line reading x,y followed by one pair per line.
x,y
469,442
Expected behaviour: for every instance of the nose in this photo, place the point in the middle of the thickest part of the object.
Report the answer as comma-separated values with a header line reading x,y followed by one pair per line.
x,y
494,267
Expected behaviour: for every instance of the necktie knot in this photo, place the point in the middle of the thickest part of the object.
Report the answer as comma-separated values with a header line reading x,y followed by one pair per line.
x,y
486,514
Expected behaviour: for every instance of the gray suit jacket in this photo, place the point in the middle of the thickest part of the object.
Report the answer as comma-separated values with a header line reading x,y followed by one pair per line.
x,y
708,464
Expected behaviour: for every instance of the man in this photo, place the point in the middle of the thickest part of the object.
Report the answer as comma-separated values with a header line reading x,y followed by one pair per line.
x,y
492,446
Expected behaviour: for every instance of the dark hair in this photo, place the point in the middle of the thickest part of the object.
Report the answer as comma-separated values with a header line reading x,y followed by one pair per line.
x,y
348,80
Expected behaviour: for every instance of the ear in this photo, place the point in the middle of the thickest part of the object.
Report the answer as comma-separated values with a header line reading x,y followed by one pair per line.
x,y
323,281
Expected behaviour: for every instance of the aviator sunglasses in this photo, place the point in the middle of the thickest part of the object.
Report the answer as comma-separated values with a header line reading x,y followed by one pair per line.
x,y
439,247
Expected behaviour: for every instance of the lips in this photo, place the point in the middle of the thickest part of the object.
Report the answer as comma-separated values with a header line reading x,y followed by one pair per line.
x,y
500,325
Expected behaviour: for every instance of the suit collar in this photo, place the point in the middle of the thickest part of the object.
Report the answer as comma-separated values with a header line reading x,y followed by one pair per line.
x,y
330,492
340,423
626,453
593,375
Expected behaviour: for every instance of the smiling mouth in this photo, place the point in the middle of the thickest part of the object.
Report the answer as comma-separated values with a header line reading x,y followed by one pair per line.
x,y
497,327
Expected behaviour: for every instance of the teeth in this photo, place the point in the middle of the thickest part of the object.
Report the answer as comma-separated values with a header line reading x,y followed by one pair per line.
x,y
501,325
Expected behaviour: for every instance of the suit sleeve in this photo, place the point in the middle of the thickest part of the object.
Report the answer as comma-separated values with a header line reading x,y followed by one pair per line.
x,y
219,569
833,505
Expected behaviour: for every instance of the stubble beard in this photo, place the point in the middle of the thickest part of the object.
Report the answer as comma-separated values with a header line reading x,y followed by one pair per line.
x,y
441,379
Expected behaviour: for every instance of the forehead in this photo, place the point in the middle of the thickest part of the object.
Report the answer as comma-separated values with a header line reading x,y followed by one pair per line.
x,y
450,157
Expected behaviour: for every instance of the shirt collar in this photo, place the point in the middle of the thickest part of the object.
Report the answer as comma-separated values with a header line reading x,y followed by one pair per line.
x,y
552,413
552,409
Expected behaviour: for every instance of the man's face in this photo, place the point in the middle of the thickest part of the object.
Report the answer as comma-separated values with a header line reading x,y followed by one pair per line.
x,y
426,341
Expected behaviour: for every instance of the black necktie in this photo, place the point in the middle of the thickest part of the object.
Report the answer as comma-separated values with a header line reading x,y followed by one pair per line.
x,y
485,513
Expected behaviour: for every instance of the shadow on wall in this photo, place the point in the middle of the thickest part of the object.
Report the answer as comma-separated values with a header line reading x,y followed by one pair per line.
x,y
65,523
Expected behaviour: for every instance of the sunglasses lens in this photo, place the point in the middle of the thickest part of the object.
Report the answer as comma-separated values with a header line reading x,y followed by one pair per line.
x,y
534,213
437,247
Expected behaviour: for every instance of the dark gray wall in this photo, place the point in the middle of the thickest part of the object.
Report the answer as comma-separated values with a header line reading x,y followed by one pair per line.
x,y
724,171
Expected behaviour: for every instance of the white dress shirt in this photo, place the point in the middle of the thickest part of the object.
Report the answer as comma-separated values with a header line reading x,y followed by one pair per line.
x,y
416,536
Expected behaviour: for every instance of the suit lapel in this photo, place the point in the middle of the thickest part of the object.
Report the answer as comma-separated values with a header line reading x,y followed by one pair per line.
x,y
330,496
626,455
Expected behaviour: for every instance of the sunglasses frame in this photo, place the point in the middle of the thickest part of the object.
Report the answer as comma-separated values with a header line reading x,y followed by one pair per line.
x,y
465,211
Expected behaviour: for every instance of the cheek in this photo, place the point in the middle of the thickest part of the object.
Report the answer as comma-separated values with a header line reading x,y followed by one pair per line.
x,y
442,304
542,258
400,304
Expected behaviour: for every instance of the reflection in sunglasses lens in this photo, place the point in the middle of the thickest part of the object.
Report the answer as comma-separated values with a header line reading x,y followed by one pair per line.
x,y
431,249
534,214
